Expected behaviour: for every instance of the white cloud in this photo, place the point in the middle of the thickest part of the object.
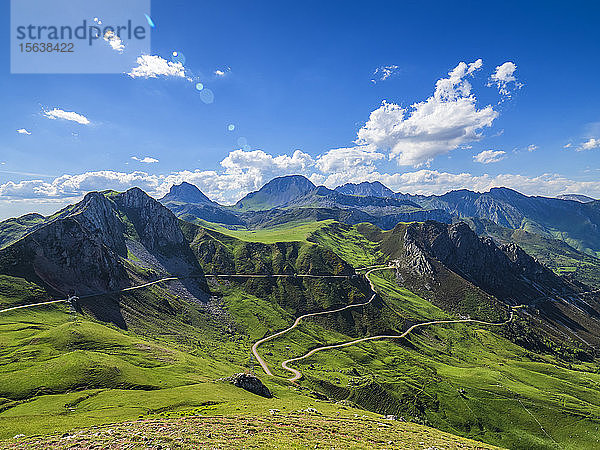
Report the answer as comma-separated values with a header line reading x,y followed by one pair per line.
x,y
590,144
489,156
504,79
382,73
222,73
145,160
428,182
57,113
261,165
23,131
71,186
569,145
152,66
114,41
243,172
348,159
446,120
532,148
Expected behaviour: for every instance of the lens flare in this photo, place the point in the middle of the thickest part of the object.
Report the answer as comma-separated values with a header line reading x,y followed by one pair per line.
x,y
231,127
207,96
150,21
178,57
242,141
199,86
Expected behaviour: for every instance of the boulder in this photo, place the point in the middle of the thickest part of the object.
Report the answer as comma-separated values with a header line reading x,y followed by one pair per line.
x,y
250,383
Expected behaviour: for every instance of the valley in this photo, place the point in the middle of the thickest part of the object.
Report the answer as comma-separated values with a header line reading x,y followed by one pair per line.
x,y
449,327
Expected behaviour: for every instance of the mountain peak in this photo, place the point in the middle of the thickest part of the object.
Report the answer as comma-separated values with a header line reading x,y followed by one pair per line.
x,y
277,192
505,193
186,193
366,189
298,182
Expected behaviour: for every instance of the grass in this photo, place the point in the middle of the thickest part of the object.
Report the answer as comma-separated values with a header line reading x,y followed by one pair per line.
x,y
464,379
348,243
290,232
17,291
13,229
183,386
280,430
468,380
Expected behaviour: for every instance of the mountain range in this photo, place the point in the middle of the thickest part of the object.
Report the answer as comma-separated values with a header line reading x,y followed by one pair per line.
x,y
551,229
293,199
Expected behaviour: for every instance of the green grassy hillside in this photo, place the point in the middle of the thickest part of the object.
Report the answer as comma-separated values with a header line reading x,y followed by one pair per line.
x,y
59,370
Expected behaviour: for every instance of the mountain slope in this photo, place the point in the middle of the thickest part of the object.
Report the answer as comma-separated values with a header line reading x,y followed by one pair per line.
x,y
294,199
366,189
277,192
553,253
106,242
15,228
186,193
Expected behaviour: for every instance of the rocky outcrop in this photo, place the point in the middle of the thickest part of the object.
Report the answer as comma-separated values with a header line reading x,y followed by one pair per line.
x,y
154,224
67,257
375,189
96,214
82,248
505,272
250,383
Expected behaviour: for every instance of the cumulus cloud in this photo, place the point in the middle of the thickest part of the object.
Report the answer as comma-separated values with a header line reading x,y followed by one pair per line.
x,y
348,159
153,66
145,160
504,79
532,148
590,144
448,119
257,159
382,73
23,131
489,156
57,113
70,186
114,41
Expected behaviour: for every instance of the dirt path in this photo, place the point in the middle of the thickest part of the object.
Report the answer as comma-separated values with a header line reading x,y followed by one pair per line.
x,y
34,304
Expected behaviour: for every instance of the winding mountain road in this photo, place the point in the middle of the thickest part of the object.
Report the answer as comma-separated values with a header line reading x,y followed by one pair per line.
x,y
262,362
297,374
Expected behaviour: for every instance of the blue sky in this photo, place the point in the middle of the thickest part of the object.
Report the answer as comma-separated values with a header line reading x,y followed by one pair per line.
x,y
296,81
